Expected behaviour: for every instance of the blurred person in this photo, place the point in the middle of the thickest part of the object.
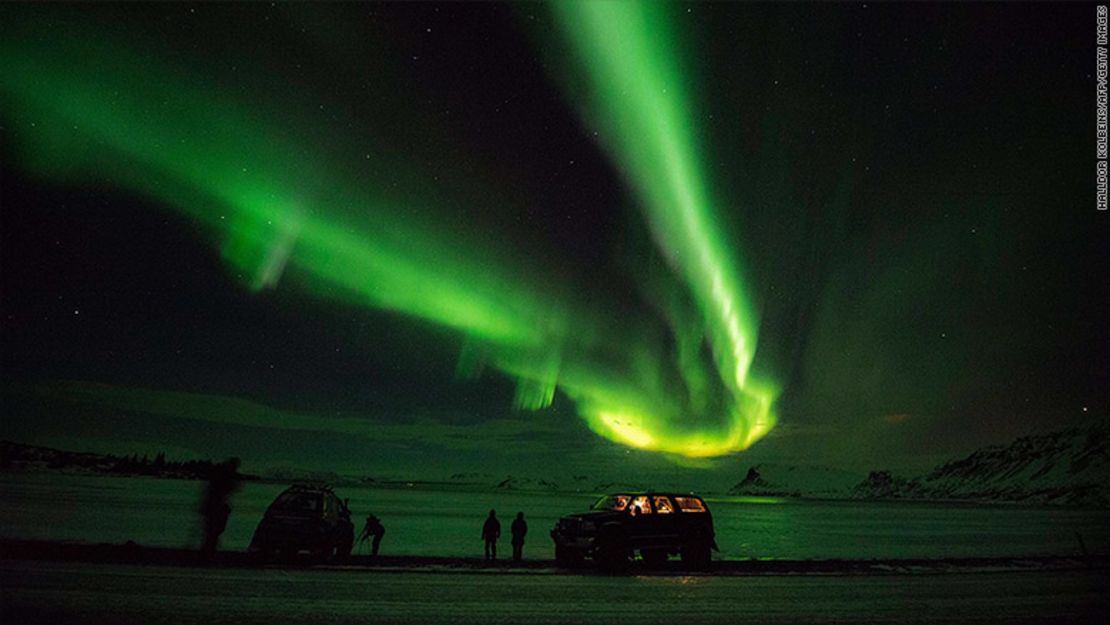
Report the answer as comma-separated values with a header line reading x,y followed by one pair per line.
x,y
375,529
491,531
519,530
215,507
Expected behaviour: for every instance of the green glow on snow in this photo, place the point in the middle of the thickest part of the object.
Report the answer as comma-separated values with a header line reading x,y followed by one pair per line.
x,y
289,209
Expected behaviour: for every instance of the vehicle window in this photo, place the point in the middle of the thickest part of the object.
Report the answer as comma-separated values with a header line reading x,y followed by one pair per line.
x,y
611,502
663,505
639,505
690,504
298,502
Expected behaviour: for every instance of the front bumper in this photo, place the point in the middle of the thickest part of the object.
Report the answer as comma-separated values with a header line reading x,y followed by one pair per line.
x,y
584,544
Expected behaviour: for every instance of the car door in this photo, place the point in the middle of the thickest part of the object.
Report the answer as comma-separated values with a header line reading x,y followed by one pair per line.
x,y
665,519
693,516
640,523
654,527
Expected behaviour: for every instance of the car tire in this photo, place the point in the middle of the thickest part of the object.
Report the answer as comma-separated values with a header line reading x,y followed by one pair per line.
x,y
262,555
343,549
612,552
567,558
654,557
697,555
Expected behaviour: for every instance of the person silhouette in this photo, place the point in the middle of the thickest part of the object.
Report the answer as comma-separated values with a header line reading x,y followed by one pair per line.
x,y
519,529
215,508
491,531
375,529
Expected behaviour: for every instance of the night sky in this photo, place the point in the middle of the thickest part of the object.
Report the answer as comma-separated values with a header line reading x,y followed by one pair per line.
x,y
421,239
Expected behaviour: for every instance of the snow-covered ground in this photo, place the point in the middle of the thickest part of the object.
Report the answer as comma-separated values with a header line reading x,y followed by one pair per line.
x,y
39,592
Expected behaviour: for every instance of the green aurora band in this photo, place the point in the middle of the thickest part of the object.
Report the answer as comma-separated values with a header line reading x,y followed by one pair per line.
x,y
636,92
286,205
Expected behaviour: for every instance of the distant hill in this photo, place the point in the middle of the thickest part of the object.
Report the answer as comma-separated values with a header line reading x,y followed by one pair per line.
x,y
470,478
524,483
20,457
296,475
1070,467
778,480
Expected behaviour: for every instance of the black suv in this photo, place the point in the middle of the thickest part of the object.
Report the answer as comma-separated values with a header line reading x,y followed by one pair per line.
x,y
305,518
657,525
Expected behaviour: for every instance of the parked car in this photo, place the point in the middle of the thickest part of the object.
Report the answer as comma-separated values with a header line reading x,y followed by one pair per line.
x,y
305,518
657,525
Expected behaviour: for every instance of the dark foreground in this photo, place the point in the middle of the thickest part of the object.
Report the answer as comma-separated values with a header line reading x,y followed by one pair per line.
x,y
71,592
131,553
71,583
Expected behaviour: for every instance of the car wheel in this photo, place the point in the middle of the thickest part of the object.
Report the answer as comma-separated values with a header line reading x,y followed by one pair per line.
x,y
263,555
321,554
697,555
343,549
654,557
612,553
567,557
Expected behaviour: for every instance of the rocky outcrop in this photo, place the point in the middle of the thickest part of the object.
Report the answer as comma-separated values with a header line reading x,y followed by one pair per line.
x,y
885,485
776,480
524,483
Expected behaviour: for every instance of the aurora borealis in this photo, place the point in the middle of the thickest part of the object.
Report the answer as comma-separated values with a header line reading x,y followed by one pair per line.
x,y
132,119
640,99
690,228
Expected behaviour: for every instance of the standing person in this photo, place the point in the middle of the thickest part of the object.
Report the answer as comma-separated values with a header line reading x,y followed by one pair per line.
x,y
519,529
491,531
373,528
215,507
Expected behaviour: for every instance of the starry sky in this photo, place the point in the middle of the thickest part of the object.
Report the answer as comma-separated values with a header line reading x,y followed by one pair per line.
x,y
415,240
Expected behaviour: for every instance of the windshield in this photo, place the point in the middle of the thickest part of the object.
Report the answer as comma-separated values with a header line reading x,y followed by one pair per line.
x,y
295,502
611,502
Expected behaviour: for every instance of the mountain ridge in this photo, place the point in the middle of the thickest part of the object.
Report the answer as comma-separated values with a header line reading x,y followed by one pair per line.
x,y
1068,467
